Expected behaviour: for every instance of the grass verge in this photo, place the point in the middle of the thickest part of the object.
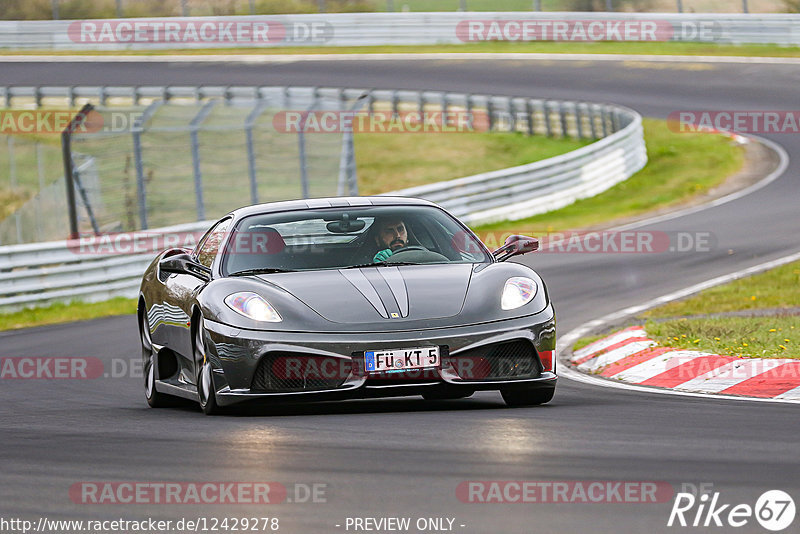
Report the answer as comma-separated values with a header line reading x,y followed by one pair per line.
x,y
776,288
65,313
539,47
680,166
389,162
748,337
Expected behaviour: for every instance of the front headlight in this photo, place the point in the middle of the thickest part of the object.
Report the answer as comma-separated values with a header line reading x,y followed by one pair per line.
x,y
253,306
517,292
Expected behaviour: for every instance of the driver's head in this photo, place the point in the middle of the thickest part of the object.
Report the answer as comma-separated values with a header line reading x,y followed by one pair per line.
x,y
392,234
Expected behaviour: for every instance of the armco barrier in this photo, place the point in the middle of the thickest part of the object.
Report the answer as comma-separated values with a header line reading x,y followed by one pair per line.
x,y
39,273
369,29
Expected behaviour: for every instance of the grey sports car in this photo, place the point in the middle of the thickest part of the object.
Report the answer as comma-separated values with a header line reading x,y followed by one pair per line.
x,y
344,298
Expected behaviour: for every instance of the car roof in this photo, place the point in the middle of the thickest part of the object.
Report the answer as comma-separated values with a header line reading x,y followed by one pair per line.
x,y
330,202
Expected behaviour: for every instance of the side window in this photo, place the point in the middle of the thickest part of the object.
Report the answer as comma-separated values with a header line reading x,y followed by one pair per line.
x,y
208,248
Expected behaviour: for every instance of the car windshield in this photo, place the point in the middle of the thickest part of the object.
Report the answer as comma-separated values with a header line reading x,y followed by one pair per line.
x,y
337,238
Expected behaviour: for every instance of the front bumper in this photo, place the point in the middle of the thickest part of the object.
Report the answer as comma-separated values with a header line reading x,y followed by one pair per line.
x,y
235,355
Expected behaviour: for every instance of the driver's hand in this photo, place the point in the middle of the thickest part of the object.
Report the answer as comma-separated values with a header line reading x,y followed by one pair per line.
x,y
382,255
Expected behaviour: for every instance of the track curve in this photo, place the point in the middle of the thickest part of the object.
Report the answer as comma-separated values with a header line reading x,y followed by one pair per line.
x,y
406,457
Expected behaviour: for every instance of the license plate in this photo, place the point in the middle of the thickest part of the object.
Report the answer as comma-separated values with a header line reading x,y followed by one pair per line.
x,y
401,359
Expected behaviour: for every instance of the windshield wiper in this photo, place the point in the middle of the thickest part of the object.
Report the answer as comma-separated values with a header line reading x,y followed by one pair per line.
x,y
263,270
380,264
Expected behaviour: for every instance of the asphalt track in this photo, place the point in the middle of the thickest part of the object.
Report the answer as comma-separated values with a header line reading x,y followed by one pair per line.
x,y
405,457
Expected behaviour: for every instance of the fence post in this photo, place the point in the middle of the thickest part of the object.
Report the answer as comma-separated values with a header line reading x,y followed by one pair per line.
x,y
609,5
251,155
198,176
184,9
119,9
136,131
744,7
529,114
680,6
54,5
252,7
66,153
537,5
578,120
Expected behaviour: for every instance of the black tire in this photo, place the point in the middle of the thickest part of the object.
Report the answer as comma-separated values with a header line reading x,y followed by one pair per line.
x,y
447,395
528,397
150,364
206,392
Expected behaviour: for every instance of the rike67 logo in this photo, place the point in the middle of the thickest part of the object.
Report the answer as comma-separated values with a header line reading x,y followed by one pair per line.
x,y
774,510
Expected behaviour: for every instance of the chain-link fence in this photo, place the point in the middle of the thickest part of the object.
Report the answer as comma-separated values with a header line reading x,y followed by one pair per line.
x,y
152,162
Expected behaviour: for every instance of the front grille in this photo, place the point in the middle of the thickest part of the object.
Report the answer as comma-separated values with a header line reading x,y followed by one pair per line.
x,y
500,361
290,372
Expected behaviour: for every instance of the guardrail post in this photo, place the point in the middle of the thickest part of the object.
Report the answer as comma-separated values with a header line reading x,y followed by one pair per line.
x,y
421,104
578,119
54,5
529,114
394,103
562,117
548,127
490,112
604,122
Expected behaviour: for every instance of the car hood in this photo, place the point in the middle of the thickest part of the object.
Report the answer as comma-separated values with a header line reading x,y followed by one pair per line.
x,y
367,295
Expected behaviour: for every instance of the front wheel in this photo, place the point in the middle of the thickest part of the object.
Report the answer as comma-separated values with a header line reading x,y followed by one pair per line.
x,y
528,397
205,378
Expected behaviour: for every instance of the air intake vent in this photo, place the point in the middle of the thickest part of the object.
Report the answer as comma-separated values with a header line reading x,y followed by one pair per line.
x,y
501,361
291,372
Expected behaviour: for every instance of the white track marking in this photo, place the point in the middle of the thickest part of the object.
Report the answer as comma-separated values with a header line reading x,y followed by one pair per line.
x,y
730,374
792,395
655,366
615,355
602,344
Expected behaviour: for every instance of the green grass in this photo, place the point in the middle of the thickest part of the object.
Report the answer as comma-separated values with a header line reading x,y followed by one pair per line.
x,y
388,162
64,313
679,167
776,288
748,337
604,47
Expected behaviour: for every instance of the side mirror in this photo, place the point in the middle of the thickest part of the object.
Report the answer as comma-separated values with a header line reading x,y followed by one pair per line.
x,y
516,245
184,264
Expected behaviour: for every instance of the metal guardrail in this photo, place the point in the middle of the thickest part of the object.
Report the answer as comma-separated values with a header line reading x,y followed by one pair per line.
x,y
368,29
35,274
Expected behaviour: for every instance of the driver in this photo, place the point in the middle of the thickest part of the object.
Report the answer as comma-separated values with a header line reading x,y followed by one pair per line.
x,y
392,236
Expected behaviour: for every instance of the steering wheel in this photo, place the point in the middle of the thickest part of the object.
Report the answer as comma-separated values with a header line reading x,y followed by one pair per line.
x,y
416,254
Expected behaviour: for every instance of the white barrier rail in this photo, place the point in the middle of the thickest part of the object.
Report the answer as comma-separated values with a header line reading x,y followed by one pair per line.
x,y
373,29
35,274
